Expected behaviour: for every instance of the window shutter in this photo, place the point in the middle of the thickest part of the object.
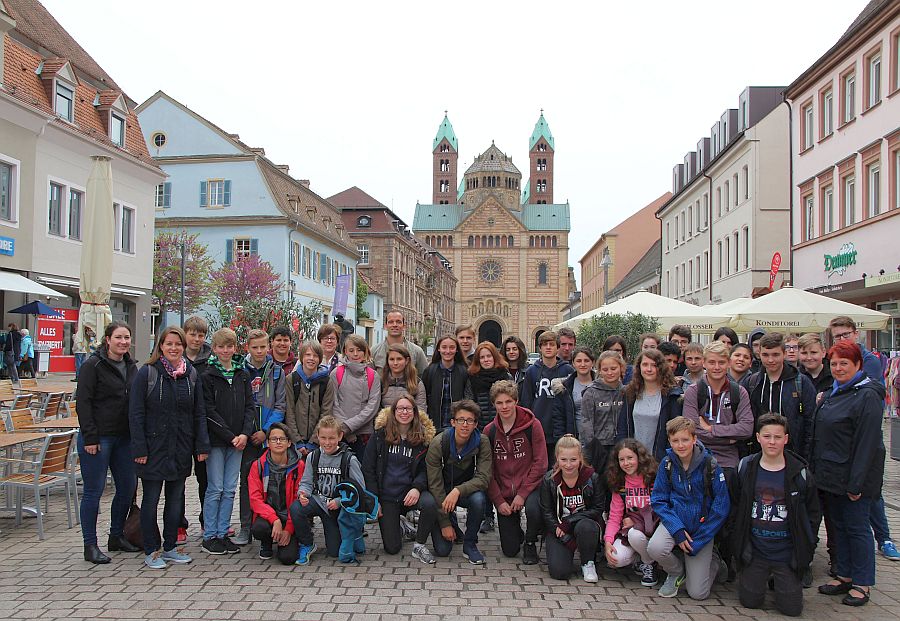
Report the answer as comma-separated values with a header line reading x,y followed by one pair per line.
x,y
167,194
293,267
254,242
229,250
303,260
227,193
323,269
203,193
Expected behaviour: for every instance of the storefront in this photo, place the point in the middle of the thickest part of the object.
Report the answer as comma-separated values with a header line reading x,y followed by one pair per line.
x,y
860,266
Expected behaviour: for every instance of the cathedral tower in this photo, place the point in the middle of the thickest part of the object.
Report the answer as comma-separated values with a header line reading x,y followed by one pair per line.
x,y
445,151
540,151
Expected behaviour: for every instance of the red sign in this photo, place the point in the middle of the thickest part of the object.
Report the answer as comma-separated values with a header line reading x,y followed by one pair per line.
x,y
55,331
773,273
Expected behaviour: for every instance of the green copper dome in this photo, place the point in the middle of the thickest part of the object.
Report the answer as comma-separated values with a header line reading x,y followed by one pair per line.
x,y
445,130
541,129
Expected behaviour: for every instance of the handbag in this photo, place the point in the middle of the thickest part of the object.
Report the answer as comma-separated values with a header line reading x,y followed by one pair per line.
x,y
132,528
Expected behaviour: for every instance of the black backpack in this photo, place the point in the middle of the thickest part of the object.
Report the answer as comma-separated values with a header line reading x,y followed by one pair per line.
x,y
734,390
345,464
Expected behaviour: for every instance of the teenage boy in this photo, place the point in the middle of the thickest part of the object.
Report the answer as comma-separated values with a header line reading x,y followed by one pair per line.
x,y
693,364
753,341
281,349
814,363
845,328
792,349
680,335
230,411
780,388
458,465
309,397
691,499
775,521
567,341
519,463
267,383
465,336
273,482
554,410
197,353
329,336
395,324
672,353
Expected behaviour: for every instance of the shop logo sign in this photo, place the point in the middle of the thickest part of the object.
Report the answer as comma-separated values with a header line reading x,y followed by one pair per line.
x,y
838,263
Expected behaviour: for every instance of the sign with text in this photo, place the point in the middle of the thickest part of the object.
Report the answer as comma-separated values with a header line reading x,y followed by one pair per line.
x,y
838,263
55,332
773,271
341,293
7,246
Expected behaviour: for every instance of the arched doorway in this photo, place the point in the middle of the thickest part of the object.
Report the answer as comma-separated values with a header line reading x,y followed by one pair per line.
x,y
491,331
537,335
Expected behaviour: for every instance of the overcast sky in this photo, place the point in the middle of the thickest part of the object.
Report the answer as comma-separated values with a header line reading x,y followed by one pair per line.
x,y
352,93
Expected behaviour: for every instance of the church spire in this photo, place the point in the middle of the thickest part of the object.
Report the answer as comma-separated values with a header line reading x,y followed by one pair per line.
x,y
541,130
445,130
541,149
445,153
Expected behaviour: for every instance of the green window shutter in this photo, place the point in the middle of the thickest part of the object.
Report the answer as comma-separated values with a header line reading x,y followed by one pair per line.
x,y
167,194
254,245
229,250
203,193
227,192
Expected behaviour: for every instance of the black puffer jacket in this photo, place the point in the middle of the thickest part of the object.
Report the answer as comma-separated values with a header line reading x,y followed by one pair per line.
x,y
847,443
168,423
230,409
102,397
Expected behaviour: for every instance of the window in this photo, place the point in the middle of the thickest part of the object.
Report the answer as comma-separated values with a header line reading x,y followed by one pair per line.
x,y
808,218
240,248
65,101
727,195
542,274
718,202
745,172
8,191
690,276
697,263
706,268
445,186
719,258
364,222
705,211
363,250
76,200
677,280
896,180
895,60
848,97
828,210
683,221
668,235
55,224
735,241
727,255
677,236
163,196
158,139
827,113
124,217
117,129
873,190
806,116
215,193
746,232
690,221
873,77
849,197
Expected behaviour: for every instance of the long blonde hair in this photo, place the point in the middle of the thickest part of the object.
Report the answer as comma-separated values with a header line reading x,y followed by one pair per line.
x,y
568,441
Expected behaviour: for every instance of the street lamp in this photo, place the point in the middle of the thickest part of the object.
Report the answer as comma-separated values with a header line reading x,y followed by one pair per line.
x,y
605,262
184,254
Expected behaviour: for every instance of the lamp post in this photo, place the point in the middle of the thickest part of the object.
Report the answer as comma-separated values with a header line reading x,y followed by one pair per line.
x,y
605,262
185,256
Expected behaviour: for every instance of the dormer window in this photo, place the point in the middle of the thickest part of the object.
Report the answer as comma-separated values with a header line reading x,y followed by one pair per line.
x,y
364,222
117,129
65,101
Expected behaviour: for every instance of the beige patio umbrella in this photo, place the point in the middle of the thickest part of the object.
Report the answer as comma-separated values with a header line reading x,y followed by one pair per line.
x,y
97,249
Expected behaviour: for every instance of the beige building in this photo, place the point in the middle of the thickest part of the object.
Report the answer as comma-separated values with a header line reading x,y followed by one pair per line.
x,y
730,209
506,239
625,244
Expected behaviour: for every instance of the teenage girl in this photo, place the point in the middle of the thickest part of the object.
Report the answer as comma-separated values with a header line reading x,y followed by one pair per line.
x,y
399,377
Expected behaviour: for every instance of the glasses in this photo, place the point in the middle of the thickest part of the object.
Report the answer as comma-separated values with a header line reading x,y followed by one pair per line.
x,y
465,422
842,335
330,338
791,347
404,408
278,440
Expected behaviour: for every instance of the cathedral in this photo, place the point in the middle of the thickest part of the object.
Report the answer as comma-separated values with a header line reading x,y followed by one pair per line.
x,y
506,238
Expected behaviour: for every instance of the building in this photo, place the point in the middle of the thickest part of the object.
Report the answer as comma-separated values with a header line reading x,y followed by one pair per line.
x,y
371,327
58,108
644,276
246,205
730,210
413,277
846,160
637,233
506,239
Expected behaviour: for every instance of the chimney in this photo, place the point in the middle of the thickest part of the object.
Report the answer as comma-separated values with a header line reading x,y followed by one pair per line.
x,y
304,183
7,23
283,168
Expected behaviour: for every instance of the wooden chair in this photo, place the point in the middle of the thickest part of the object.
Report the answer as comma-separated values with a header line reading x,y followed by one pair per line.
x,y
68,409
51,468
30,384
50,406
16,419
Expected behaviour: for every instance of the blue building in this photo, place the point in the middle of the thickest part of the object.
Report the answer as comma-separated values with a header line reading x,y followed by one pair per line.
x,y
241,204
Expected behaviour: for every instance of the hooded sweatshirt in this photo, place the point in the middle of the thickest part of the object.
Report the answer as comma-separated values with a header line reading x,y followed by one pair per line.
x,y
518,463
267,383
564,506
307,400
273,487
381,459
730,428
289,363
600,405
467,469
782,397
320,486
355,403
201,360
555,412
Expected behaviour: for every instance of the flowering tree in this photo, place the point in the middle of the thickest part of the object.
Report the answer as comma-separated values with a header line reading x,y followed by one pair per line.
x,y
167,272
300,319
245,280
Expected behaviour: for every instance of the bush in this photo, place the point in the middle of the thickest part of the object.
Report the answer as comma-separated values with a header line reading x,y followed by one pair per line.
x,y
594,332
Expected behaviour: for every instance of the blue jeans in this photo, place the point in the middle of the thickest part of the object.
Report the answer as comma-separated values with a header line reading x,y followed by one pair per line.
x,y
855,554
878,520
171,514
223,467
79,360
115,456
476,504
300,517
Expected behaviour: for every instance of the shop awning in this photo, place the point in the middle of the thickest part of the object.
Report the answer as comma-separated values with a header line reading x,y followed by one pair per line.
x,y
10,281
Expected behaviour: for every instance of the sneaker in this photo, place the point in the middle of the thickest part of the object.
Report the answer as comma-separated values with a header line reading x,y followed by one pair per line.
x,y
889,551
671,585
589,572
242,538
304,554
154,561
471,553
722,571
422,553
807,579
265,551
407,530
648,575
182,537
213,546
638,568
176,556
529,554
229,545
487,525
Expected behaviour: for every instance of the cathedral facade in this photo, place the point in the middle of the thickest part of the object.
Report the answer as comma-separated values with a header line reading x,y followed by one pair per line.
x,y
506,239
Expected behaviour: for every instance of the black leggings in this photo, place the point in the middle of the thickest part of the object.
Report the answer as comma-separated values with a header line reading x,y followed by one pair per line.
x,y
389,522
262,532
510,526
559,556
753,584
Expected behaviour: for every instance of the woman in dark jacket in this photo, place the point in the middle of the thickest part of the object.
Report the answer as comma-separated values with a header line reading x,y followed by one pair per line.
x,y
104,443
848,461
516,355
651,400
487,367
447,368
168,428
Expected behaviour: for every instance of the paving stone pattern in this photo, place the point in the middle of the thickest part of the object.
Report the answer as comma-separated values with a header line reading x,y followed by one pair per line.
x,y
49,580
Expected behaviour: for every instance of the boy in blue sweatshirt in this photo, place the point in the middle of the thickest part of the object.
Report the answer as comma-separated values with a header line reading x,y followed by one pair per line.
x,y
267,383
691,499
542,392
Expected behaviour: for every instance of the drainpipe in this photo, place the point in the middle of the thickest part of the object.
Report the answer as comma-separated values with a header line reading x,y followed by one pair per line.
x,y
791,185
709,271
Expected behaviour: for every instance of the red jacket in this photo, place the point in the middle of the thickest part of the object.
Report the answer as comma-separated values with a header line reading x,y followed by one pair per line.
x,y
518,465
257,487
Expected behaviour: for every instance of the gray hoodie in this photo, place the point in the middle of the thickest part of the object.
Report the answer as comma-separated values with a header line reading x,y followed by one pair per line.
x,y
321,488
355,402
600,405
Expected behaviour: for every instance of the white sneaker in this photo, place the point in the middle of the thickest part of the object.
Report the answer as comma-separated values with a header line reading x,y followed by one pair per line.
x,y
589,572
422,553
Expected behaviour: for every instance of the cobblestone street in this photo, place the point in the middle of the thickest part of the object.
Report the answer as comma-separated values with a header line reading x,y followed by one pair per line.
x,y
49,580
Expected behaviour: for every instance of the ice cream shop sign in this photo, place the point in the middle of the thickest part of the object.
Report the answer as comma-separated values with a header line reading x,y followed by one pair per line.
x,y
838,263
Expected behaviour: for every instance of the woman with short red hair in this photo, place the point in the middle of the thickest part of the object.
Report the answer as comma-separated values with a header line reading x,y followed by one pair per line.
x,y
848,461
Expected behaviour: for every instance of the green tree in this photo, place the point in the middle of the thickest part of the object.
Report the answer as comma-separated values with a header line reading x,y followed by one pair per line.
x,y
362,292
301,319
594,332
167,272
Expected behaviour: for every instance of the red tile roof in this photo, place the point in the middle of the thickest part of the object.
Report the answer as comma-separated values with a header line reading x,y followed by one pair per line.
x,y
354,198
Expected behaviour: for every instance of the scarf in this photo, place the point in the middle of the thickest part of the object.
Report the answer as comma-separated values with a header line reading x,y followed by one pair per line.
x,y
227,374
174,372
837,386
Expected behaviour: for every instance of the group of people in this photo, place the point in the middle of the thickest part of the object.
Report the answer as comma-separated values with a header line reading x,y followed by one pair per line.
x,y
17,349
699,461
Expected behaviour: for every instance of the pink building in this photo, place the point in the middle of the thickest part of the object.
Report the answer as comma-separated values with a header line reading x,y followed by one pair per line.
x,y
845,152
